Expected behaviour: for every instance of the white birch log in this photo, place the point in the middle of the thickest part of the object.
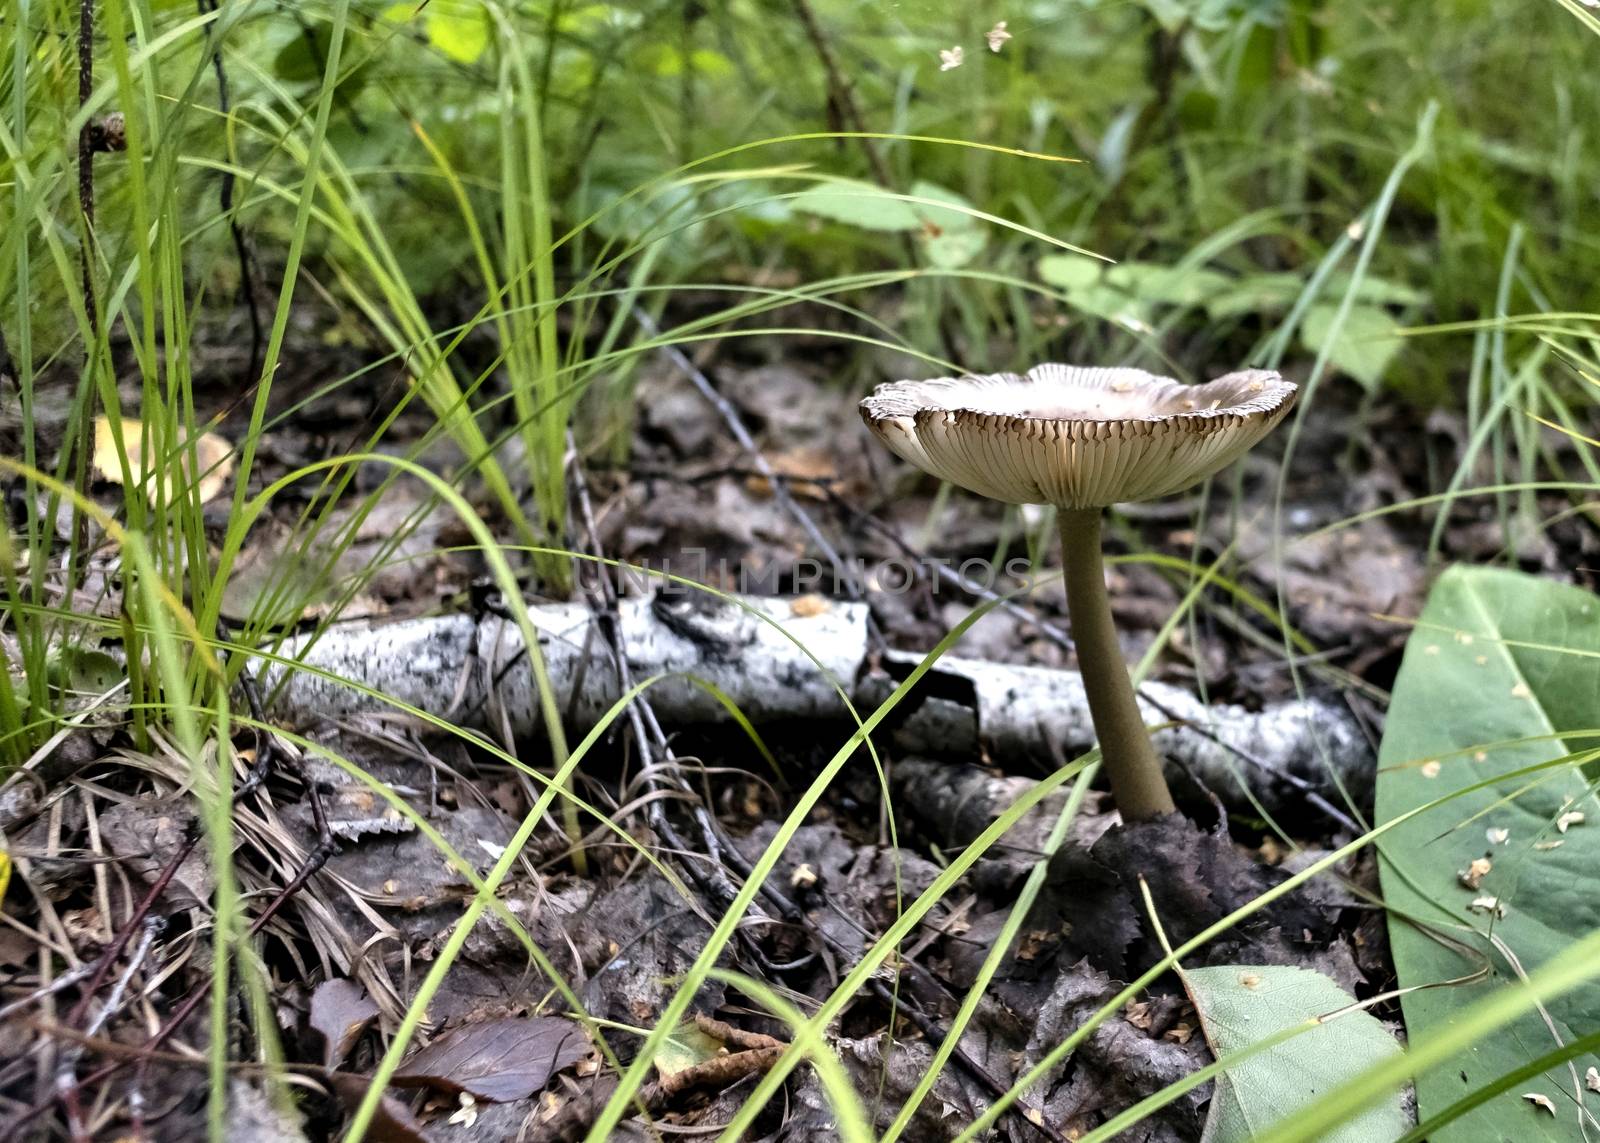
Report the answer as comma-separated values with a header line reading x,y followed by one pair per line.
x,y
1038,714
461,667
471,671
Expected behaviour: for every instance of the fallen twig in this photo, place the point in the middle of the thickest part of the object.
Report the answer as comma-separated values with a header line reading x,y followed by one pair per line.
x,y
648,734
843,572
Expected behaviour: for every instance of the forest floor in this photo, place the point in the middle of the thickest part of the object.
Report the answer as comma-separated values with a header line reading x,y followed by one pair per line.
x,y
103,834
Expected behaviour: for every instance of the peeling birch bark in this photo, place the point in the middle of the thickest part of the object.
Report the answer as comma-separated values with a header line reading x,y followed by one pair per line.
x,y
471,671
1037,714
462,667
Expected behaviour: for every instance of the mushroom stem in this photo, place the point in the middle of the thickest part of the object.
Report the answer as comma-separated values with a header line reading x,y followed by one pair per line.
x,y
1137,783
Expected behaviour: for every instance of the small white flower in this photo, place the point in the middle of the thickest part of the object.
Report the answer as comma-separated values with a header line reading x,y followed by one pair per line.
x,y
951,58
997,35
1497,835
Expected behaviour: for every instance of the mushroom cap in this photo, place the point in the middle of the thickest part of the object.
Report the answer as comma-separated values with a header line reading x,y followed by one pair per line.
x,y
1076,437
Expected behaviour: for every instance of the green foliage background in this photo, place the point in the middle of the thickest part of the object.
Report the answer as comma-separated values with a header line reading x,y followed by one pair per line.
x,y
1235,139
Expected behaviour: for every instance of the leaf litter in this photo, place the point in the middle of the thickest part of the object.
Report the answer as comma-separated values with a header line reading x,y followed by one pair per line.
x,y
624,930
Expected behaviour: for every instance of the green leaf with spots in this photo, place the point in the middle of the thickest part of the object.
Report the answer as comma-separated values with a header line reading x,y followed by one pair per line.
x,y
1239,1006
1496,656
950,238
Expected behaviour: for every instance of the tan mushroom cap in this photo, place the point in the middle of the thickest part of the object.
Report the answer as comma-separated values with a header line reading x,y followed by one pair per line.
x,y
1076,437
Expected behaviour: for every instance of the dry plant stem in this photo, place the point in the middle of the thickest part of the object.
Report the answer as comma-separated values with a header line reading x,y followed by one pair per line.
x,y
247,289
841,93
86,155
268,753
1137,783
780,488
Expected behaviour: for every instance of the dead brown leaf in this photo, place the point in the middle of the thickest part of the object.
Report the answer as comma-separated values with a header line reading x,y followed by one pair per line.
x,y
213,457
393,1122
497,1060
341,1011
809,472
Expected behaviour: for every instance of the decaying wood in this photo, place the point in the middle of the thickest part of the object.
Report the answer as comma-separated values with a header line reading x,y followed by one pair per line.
x,y
780,659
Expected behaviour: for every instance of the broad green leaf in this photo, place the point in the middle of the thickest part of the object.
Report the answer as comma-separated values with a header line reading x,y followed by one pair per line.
x,y
951,238
669,210
1128,291
1363,347
458,28
1275,293
1166,285
1496,656
1377,291
303,57
593,18
858,203
403,12
1256,294
1243,1005
1070,272
1083,281
669,62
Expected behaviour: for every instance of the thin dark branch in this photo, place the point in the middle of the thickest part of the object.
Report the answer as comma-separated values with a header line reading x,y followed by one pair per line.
x,y
86,156
841,93
844,573
247,285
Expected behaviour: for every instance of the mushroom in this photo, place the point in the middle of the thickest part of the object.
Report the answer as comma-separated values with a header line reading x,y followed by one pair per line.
x,y
1082,439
